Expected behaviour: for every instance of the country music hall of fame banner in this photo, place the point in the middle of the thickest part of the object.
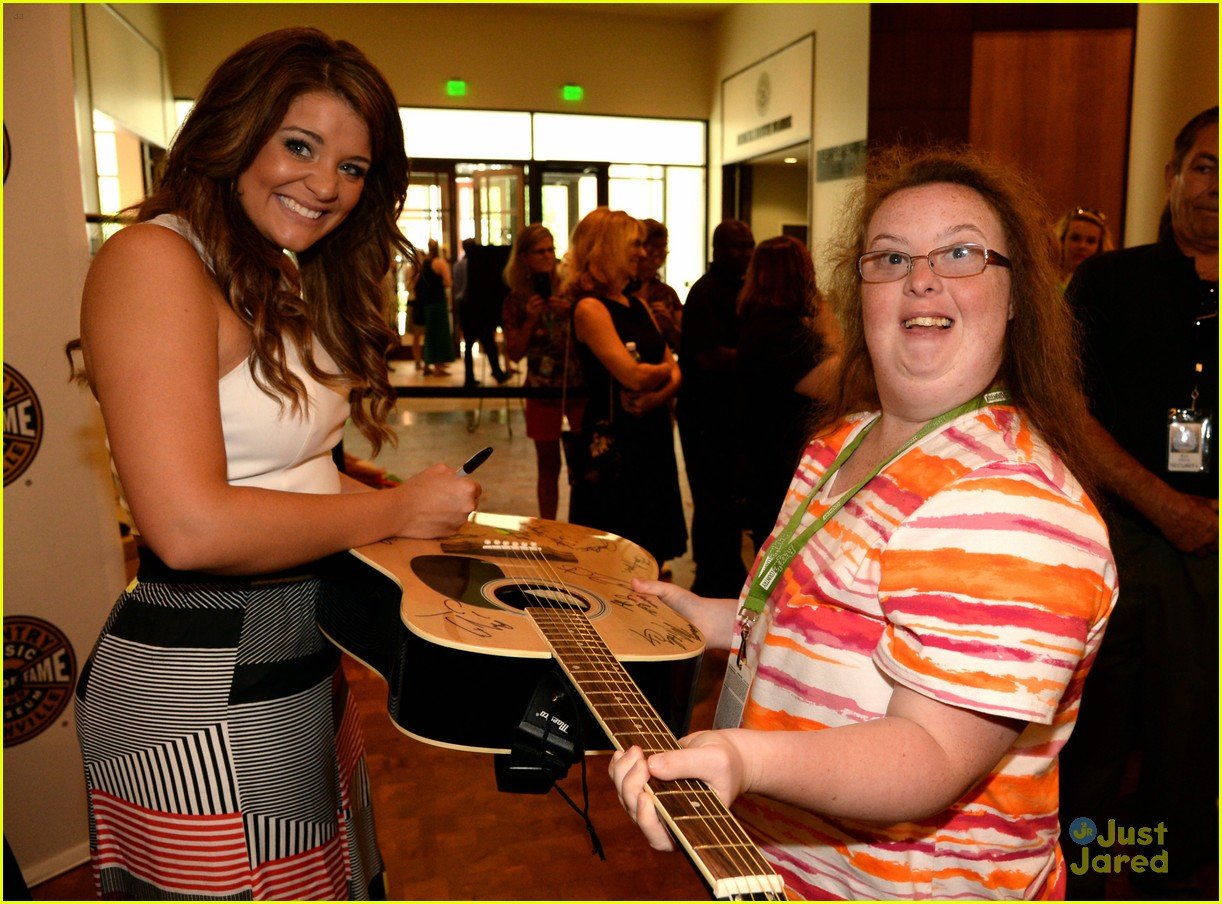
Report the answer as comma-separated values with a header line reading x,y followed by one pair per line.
x,y
63,559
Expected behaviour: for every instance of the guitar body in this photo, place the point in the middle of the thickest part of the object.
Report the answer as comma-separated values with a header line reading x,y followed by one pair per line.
x,y
442,622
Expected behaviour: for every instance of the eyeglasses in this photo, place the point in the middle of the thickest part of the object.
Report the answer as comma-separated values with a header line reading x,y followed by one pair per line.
x,y
950,261
550,249
1088,212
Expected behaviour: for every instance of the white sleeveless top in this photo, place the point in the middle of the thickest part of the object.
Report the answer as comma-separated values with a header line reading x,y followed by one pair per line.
x,y
268,445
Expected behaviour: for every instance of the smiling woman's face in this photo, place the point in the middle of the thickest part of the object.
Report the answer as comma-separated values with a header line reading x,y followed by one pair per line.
x,y
935,342
309,175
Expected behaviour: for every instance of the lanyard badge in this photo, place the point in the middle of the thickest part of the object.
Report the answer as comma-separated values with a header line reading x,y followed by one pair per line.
x,y
1190,430
1189,436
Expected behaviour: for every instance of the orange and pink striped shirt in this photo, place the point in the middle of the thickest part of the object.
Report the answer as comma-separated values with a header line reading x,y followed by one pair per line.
x,y
973,570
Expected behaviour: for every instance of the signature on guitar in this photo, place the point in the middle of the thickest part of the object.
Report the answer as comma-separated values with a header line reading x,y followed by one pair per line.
x,y
592,577
473,621
661,634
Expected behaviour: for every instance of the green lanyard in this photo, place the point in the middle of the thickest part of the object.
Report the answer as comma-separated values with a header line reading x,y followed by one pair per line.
x,y
785,547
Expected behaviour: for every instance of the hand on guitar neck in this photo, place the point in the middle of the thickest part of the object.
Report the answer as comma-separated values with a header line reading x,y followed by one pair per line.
x,y
709,756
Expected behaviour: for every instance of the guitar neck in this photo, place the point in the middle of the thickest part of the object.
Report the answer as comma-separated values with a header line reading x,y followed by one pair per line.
x,y
712,837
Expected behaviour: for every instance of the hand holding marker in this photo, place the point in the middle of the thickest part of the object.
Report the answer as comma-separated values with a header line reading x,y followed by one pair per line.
x,y
471,464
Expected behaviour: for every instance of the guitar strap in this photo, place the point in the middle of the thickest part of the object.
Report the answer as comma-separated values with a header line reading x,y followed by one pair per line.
x,y
546,742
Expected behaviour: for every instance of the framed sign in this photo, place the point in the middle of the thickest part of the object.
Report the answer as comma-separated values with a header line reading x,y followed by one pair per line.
x,y
767,106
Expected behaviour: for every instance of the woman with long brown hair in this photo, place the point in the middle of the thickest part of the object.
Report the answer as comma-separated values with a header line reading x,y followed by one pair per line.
x,y
227,335
784,362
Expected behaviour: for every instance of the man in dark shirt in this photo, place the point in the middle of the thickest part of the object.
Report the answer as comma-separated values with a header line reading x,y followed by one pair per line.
x,y
1150,320
704,410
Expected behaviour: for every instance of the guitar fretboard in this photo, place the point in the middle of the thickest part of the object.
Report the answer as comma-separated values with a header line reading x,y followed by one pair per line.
x,y
712,837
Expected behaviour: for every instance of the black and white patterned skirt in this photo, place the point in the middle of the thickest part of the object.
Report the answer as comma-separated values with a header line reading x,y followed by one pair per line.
x,y
223,752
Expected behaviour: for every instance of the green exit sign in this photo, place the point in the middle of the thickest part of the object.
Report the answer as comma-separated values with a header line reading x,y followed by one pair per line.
x,y
573,92
456,87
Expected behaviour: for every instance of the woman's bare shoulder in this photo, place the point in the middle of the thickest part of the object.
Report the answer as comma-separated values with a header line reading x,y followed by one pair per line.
x,y
145,272
147,242
151,255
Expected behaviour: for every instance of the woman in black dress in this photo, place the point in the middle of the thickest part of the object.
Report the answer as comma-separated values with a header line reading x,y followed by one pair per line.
x,y
631,376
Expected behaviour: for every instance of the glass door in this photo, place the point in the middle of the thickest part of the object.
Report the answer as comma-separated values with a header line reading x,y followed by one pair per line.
x,y
561,194
428,213
491,202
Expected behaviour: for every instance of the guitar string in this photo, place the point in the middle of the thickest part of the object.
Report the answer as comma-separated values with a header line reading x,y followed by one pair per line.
x,y
727,834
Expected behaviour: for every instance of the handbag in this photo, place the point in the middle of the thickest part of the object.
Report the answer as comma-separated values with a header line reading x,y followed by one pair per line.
x,y
593,456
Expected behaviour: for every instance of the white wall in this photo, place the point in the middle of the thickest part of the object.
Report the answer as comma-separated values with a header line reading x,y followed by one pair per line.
x,y
126,73
513,56
1175,77
749,32
62,558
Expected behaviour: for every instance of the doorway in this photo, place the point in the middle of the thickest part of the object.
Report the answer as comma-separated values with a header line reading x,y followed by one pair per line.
x,y
771,193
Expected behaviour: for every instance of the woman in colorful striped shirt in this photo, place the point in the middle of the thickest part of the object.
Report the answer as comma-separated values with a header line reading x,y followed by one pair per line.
x,y
908,656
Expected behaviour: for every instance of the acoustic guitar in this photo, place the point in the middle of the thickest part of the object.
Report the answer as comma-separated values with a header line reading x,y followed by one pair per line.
x,y
463,630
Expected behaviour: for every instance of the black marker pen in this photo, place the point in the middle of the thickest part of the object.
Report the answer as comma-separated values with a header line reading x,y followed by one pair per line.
x,y
474,462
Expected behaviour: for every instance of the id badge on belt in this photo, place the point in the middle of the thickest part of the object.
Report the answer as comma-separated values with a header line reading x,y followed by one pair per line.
x,y
740,670
1189,434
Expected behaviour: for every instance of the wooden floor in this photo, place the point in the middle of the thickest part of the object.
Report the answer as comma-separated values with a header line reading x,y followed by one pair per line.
x,y
446,833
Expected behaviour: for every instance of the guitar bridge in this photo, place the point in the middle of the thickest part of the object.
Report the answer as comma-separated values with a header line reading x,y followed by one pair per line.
x,y
515,549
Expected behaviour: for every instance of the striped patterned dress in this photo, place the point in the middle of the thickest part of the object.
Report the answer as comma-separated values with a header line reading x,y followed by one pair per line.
x,y
974,571
223,753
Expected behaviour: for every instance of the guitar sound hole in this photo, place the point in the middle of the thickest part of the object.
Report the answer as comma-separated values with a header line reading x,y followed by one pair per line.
x,y
519,596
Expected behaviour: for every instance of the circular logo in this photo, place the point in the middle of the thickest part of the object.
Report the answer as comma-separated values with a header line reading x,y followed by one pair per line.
x,y
763,93
23,424
39,674
1083,830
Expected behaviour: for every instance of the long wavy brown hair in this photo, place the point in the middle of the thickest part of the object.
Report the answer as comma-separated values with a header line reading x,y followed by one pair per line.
x,y
1041,365
335,294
